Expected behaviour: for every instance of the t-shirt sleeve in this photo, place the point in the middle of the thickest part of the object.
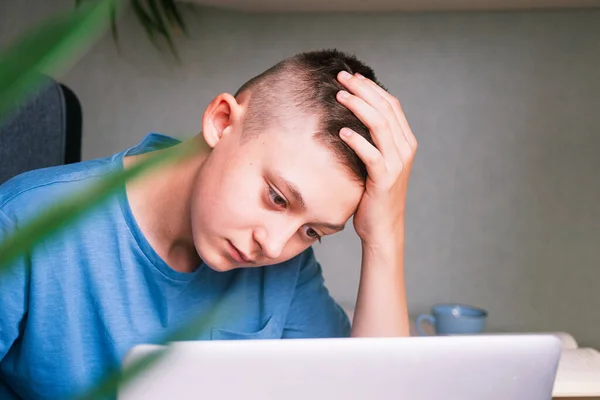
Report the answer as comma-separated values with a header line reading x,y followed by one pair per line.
x,y
313,312
13,293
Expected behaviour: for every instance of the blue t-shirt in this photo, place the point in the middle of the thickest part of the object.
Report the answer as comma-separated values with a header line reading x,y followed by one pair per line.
x,y
73,306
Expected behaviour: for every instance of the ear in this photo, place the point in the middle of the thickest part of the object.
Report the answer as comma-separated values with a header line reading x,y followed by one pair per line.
x,y
218,118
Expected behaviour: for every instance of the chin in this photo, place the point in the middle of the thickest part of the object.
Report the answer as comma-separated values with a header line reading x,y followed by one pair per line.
x,y
219,264
215,261
219,267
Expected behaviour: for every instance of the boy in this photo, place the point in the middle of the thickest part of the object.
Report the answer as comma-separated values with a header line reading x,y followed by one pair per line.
x,y
227,232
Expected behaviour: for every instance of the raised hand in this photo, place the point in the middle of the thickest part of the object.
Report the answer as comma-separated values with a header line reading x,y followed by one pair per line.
x,y
381,211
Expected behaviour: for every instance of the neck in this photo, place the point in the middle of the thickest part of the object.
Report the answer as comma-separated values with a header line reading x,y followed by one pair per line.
x,y
160,202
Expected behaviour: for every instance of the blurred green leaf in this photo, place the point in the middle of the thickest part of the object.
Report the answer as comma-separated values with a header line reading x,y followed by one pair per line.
x,y
158,18
113,25
113,21
145,19
173,15
66,211
163,28
50,49
113,380
109,384
152,17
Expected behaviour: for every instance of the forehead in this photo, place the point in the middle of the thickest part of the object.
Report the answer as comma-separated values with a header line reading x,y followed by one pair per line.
x,y
326,186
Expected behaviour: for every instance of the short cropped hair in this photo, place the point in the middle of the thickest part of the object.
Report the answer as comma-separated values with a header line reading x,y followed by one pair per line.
x,y
307,84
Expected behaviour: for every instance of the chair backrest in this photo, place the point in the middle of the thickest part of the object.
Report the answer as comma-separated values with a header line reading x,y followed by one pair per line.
x,y
43,131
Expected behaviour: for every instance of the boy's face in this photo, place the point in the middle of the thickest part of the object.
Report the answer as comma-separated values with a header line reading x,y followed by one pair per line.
x,y
265,198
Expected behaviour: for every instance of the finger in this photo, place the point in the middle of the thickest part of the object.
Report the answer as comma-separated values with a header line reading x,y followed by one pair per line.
x,y
373,120
368,153
394,102
362,88
397,109
402,145
359,86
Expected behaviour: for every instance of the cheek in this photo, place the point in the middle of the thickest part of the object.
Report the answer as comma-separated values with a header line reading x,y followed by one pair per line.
x,y
226,198
294,247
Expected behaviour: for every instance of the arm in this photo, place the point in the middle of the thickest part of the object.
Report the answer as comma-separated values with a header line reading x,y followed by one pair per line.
x,y
381,308
13,294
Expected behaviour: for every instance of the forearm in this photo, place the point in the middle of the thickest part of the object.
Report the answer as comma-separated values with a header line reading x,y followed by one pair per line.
x,y
379,219
381,309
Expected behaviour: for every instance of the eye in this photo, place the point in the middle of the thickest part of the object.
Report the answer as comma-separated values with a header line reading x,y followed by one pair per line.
x,y
311,233
276,198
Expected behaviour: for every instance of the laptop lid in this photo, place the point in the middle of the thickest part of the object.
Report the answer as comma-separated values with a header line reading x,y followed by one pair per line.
x,y
417,368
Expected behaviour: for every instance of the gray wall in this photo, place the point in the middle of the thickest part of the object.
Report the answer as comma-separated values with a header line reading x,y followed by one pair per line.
x,y
503,204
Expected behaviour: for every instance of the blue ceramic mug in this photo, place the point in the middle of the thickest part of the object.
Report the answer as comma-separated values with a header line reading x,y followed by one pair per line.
x,y
454,319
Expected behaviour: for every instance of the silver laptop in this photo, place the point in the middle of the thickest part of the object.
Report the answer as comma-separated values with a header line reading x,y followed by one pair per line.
x,y
481,367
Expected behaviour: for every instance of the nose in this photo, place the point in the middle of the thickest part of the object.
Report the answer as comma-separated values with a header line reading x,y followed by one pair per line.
x,y
272,237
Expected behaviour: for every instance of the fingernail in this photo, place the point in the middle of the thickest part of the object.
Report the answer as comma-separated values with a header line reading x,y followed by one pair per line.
x,y
345,75
343,94
345,132
359,76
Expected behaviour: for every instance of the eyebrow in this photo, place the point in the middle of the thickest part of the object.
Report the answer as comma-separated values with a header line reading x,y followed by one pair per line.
x,y
333,227
295,192
293,189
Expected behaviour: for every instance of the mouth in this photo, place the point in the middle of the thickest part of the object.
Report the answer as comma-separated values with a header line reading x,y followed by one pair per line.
x,y
238,255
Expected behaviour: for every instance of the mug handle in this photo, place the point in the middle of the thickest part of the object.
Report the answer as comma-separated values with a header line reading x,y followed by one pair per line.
x,y
424,317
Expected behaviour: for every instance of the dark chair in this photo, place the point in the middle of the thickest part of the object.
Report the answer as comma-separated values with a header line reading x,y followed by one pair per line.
x,y
43,131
